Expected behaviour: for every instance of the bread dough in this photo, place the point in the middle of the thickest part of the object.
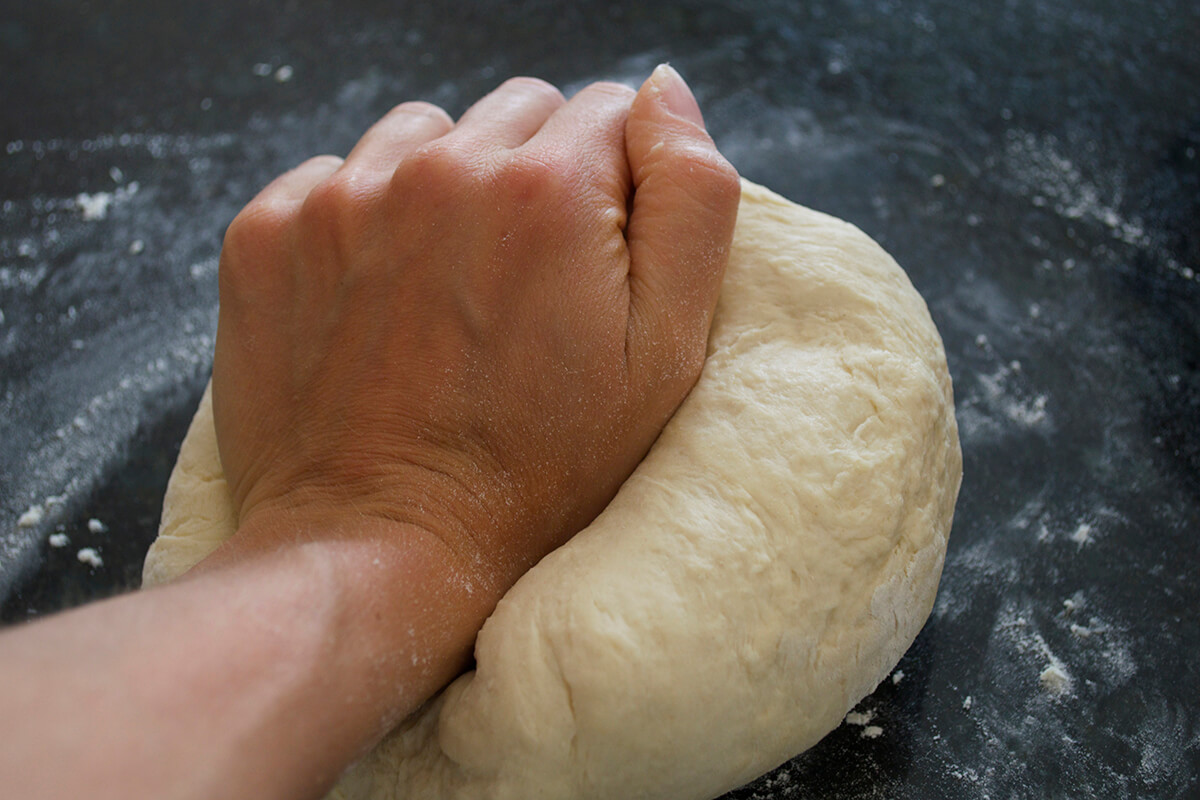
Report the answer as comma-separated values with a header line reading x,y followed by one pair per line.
x,y
759,573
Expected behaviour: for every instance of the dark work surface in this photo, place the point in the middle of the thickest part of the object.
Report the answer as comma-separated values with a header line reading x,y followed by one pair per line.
x,y
1033,164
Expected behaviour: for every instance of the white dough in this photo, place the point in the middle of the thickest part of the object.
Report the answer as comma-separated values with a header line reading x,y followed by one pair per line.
x,y
758,574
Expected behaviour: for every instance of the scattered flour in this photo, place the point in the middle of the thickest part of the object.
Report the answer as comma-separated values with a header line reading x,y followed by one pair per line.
x,y
1081,632
94,206
1043,173
32,516
59,540
1083,534
862,720
89,556
1054,679
859,717
96,526
1033,651
1001,402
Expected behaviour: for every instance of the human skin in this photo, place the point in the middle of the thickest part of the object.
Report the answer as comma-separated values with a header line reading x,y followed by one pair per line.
x,y
436,360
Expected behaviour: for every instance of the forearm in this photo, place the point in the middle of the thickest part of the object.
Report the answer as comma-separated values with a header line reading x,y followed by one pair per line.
x,y
264,675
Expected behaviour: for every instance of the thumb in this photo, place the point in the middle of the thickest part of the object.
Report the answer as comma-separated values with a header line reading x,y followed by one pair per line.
x,y
685,202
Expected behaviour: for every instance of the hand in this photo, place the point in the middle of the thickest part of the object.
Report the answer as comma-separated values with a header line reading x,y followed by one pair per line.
x,y
435,361
478,329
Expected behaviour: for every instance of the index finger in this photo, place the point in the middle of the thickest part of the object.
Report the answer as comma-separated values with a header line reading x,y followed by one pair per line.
x,y
589,131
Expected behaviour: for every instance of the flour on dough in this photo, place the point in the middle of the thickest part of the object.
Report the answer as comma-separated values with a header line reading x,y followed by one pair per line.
x,y
758,574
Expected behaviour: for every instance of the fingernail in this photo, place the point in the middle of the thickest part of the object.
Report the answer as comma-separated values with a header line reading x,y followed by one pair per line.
x,y
675,94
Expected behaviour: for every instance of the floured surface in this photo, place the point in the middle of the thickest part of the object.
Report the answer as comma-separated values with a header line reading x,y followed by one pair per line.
x,y
761,571
1044,206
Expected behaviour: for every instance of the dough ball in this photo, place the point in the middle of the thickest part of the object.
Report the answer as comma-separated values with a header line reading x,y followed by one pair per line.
x,y
759,573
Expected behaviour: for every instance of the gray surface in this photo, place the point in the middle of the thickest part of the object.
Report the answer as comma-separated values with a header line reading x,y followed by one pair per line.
x,y
1032,164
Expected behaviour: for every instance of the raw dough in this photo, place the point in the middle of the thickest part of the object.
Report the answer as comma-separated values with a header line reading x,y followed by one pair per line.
x,y
759,573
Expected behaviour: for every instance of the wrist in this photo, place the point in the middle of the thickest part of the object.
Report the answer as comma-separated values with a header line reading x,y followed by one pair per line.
x,y
400,606
442,508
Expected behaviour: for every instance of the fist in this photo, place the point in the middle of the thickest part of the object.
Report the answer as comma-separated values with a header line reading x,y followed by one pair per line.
x,y
477,328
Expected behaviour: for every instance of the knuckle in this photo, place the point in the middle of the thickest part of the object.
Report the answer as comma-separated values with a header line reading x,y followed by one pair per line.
x,y
706,164
449,177
611,89
438,169
323,162
419,108
724,178
259,226
542,188
332,206
436,159
530,175
330,196
702,171
532,85
253,244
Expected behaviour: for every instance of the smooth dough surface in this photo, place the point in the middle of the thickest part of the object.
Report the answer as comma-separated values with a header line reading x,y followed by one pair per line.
x,y
759,573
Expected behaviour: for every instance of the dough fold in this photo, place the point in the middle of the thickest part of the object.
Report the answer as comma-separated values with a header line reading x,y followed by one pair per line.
x,y
759,573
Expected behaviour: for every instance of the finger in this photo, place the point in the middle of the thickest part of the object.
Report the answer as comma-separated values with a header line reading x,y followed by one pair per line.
x,y
266,219
591,127
401,131
262,232
509,115
293,186
684,207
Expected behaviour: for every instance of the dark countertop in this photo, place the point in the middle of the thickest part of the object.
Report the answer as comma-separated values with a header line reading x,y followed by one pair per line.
x,y
1033,164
